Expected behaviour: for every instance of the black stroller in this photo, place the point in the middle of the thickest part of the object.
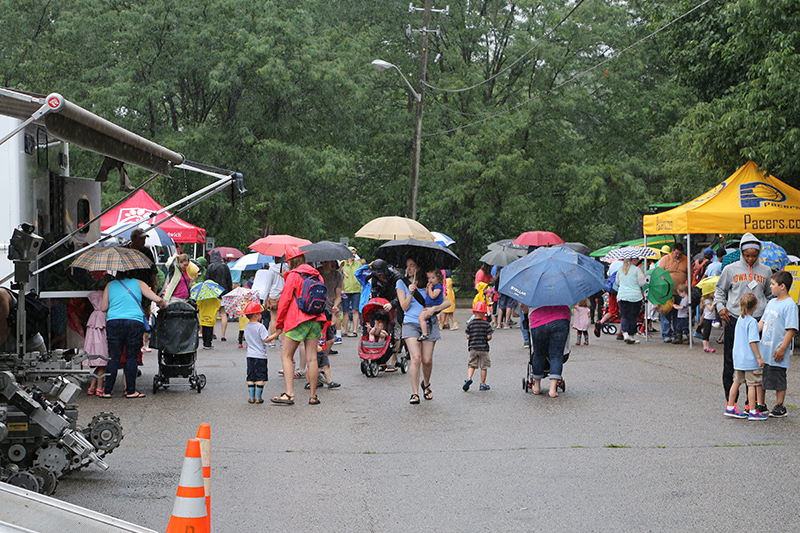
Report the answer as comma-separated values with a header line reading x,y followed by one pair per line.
x,y
175,336
527,381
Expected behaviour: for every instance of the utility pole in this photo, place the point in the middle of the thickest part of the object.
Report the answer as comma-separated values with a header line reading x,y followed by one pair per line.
x,y
423,68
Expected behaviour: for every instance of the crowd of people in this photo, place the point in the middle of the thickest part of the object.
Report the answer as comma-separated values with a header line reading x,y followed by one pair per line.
x,y
749,302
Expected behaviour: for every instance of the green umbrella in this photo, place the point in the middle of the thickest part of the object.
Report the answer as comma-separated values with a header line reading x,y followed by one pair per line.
x,y
659,285
205,291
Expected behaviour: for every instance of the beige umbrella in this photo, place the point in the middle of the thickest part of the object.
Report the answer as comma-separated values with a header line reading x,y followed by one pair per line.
x,y
394,228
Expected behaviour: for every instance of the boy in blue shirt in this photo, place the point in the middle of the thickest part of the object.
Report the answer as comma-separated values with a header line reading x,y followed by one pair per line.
x,y
747,362
778,326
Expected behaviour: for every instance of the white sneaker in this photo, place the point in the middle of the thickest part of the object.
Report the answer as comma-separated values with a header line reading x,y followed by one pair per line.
x,y
337,340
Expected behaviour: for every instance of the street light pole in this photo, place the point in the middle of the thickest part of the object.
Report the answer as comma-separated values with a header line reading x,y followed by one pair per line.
x,y
423,68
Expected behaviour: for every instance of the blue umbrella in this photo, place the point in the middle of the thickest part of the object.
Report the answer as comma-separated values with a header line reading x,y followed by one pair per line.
x,y
442,239
552,276
155,236
773,255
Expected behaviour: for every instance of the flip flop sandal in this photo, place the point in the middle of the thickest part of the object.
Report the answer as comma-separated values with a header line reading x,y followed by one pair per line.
x,y
91,392
414,399
136,394
104,395
427,393
284,399
391,369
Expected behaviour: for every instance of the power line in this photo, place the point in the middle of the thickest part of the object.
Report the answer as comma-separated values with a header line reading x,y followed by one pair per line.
x,y
580,74
520,58
643,19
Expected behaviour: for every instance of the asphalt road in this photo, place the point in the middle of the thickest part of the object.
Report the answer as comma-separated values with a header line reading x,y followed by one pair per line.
x,y
638,442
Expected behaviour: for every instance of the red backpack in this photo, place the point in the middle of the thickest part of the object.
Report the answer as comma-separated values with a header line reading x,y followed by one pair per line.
x,y
699,269
313,294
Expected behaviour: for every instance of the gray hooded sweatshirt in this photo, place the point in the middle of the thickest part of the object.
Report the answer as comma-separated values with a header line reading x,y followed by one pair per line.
x,y
737,279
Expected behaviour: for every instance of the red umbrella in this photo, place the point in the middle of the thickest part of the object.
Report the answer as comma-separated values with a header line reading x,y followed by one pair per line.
x,y
276,245
538,238
227,251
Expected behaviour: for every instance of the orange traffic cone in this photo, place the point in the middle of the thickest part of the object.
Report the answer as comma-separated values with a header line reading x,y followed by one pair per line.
x,y
189,512
204,436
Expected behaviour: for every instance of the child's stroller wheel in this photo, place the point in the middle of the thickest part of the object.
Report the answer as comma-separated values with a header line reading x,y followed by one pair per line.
x,y
363,367
404,365
525,384
373,369
201,382
610,329
561,385
156,384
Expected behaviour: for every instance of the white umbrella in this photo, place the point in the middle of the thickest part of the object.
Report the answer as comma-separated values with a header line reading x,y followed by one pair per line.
x,y
252,261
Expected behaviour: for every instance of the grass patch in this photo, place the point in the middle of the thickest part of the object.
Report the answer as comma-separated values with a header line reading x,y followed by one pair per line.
x,y
661,447
522,448
289,451
369,453
577,446
791,406
616,446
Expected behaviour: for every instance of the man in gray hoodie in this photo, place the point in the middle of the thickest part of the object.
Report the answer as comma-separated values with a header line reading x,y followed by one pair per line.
x,y
747,275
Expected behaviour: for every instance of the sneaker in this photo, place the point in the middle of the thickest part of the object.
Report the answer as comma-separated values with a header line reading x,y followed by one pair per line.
x,y
272,344
333,385
206,347
526,345
631,340
241,346
678,339
733,412
762,408
755,415
620,337
467,383
779,411
597,327
299,375
337,340
578,343
223,339
251,400
485,387
667,340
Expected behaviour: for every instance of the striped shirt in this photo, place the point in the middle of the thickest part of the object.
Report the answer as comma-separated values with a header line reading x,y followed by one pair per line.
x,y
478,332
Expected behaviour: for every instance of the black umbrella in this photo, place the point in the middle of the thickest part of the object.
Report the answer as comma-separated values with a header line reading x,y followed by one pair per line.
x,y
324,251
499,258
428,254
508,245
578,247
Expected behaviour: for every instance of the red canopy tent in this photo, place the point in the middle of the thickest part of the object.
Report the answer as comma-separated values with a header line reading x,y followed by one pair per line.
x,y
142,204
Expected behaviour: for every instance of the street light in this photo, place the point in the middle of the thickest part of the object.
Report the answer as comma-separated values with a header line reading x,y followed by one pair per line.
x,y
379,65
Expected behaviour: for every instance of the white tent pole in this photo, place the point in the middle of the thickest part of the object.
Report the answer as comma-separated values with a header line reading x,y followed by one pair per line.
x,y
689,284
644,304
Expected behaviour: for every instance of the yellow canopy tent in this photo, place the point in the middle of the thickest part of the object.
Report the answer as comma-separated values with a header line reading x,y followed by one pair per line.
x,y
749,200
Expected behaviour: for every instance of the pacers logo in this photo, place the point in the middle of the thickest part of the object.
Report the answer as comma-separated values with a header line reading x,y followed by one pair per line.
x,y
757,193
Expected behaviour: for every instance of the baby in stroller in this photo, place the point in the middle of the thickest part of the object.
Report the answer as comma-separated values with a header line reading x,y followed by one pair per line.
x,y
377,329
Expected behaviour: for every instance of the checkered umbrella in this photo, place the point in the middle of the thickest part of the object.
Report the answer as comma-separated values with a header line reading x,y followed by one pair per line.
x,y
236,300
113,258
629,252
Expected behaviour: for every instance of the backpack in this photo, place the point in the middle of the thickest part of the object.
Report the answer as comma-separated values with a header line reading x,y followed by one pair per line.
x,y
611,284
699,269
313,294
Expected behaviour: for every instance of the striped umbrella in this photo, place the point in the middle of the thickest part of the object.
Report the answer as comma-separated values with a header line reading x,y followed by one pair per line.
x,y
629,252
206,291
112,258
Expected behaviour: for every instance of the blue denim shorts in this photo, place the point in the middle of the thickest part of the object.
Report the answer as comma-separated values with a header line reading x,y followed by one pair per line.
x,y
351,303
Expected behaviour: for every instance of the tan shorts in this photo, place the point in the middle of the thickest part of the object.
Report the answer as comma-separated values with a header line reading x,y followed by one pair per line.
x,y
272,304
751,377
479,360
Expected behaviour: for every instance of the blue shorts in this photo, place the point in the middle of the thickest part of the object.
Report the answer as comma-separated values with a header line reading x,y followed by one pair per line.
x,y
505,302
256,369
351,302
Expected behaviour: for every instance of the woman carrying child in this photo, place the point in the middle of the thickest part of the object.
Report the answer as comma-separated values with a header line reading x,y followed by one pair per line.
x,y
299,327
411,299
434,296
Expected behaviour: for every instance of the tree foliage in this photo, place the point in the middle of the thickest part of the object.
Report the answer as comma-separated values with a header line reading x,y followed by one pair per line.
x,y
559,129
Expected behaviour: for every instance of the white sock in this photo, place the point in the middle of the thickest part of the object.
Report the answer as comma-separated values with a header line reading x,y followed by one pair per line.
x,y
338,333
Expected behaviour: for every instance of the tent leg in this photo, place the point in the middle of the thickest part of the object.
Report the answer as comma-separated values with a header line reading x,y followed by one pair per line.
x,y
689,285
644,308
